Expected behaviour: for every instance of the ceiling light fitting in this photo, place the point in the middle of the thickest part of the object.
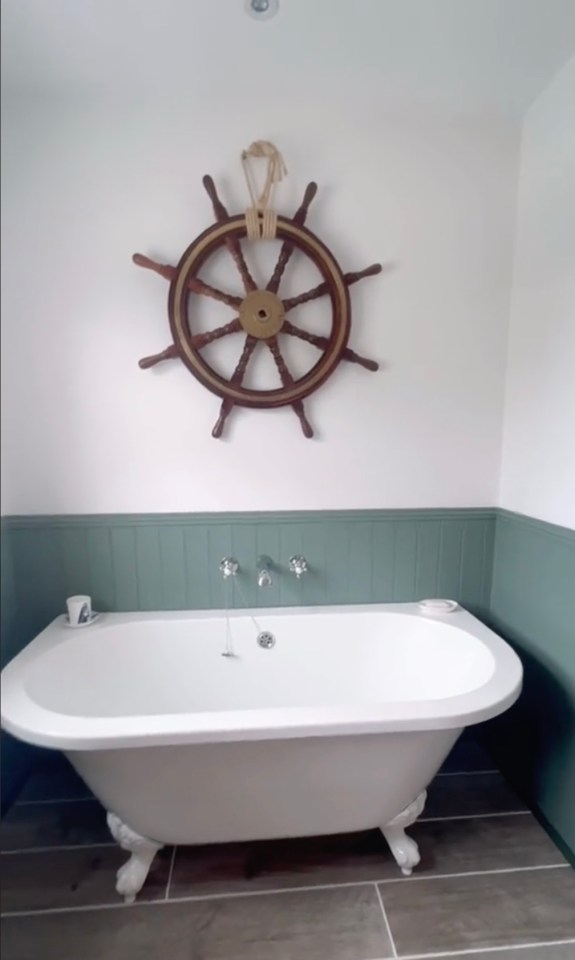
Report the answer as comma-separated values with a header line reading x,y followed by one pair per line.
x,y
261,9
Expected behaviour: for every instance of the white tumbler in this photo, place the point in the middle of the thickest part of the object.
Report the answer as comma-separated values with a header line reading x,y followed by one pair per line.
x,y
79,610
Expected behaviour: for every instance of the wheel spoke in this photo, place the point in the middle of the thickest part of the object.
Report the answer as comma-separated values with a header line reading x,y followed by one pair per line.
x,y
235,249
322,342
323,288
206,290
232,243
202,339
195,284
288,381
170,353
197,342
236,379
288,246
239,373
163,269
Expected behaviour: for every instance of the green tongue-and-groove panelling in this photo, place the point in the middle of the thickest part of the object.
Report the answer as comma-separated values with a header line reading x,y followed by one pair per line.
x,y
533,606
170,562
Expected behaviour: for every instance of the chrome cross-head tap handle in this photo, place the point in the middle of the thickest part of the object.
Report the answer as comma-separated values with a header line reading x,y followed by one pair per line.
x,y
229,567
298,565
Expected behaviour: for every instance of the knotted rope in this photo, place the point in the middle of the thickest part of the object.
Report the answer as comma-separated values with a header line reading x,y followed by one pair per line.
x,y
261,219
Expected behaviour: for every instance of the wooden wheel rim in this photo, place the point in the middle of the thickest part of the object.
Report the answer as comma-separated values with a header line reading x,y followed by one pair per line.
x,y
197,253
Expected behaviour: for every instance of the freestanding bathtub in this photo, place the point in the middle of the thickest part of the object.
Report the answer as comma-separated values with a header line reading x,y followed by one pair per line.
x,y
189,731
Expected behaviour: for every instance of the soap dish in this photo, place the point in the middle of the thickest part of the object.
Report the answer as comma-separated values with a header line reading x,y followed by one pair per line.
x,y
438,607
79,626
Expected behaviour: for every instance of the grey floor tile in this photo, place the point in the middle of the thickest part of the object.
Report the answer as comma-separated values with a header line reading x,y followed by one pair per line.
x,y
486,910
32,825
470,795
466,755
344,924
483,843
128,933
215,868
58,784
558,951
282,864
446,846
72,878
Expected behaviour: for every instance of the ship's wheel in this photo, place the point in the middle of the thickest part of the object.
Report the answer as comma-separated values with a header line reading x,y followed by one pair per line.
x,y
260,313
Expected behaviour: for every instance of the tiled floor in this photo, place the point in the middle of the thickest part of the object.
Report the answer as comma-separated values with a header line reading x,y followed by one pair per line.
x,y
491,886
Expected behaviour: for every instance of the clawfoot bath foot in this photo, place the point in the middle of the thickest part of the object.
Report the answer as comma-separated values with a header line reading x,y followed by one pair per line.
x,y
403,848
131,877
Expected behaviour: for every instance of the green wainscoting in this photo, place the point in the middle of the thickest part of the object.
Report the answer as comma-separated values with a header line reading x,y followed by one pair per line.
x,y
16,757
170,561
533,606
8,631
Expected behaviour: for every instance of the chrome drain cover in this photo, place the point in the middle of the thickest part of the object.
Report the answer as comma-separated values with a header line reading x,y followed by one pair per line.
x,y
266,640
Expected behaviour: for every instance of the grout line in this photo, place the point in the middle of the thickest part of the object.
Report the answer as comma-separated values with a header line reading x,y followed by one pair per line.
x,y
474,873
244,894
170,874
476,816
64,846
200,898
485,951
464,773
308,888
385,920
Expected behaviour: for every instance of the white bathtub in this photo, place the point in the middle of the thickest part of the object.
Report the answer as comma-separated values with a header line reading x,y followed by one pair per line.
x,y
339,727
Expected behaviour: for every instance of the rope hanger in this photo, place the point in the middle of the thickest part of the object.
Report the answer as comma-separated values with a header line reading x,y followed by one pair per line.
x,y
261,218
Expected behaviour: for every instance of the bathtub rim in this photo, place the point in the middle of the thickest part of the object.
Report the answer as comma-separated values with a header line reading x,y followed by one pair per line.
x,y
28,721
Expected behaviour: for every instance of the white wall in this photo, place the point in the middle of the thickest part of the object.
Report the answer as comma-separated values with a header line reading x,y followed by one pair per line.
x,y
89,182
538,468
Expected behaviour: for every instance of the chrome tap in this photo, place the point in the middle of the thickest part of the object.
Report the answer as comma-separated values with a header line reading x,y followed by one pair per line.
x,y
229,567
264,575
298,565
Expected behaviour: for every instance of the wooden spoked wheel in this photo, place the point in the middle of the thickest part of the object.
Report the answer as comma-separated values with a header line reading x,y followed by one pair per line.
x,y
259,313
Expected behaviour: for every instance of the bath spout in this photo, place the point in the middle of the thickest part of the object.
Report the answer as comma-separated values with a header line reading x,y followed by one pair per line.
x,y
264,576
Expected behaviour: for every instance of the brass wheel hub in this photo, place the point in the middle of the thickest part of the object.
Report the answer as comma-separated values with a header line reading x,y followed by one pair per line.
x,y
262,314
